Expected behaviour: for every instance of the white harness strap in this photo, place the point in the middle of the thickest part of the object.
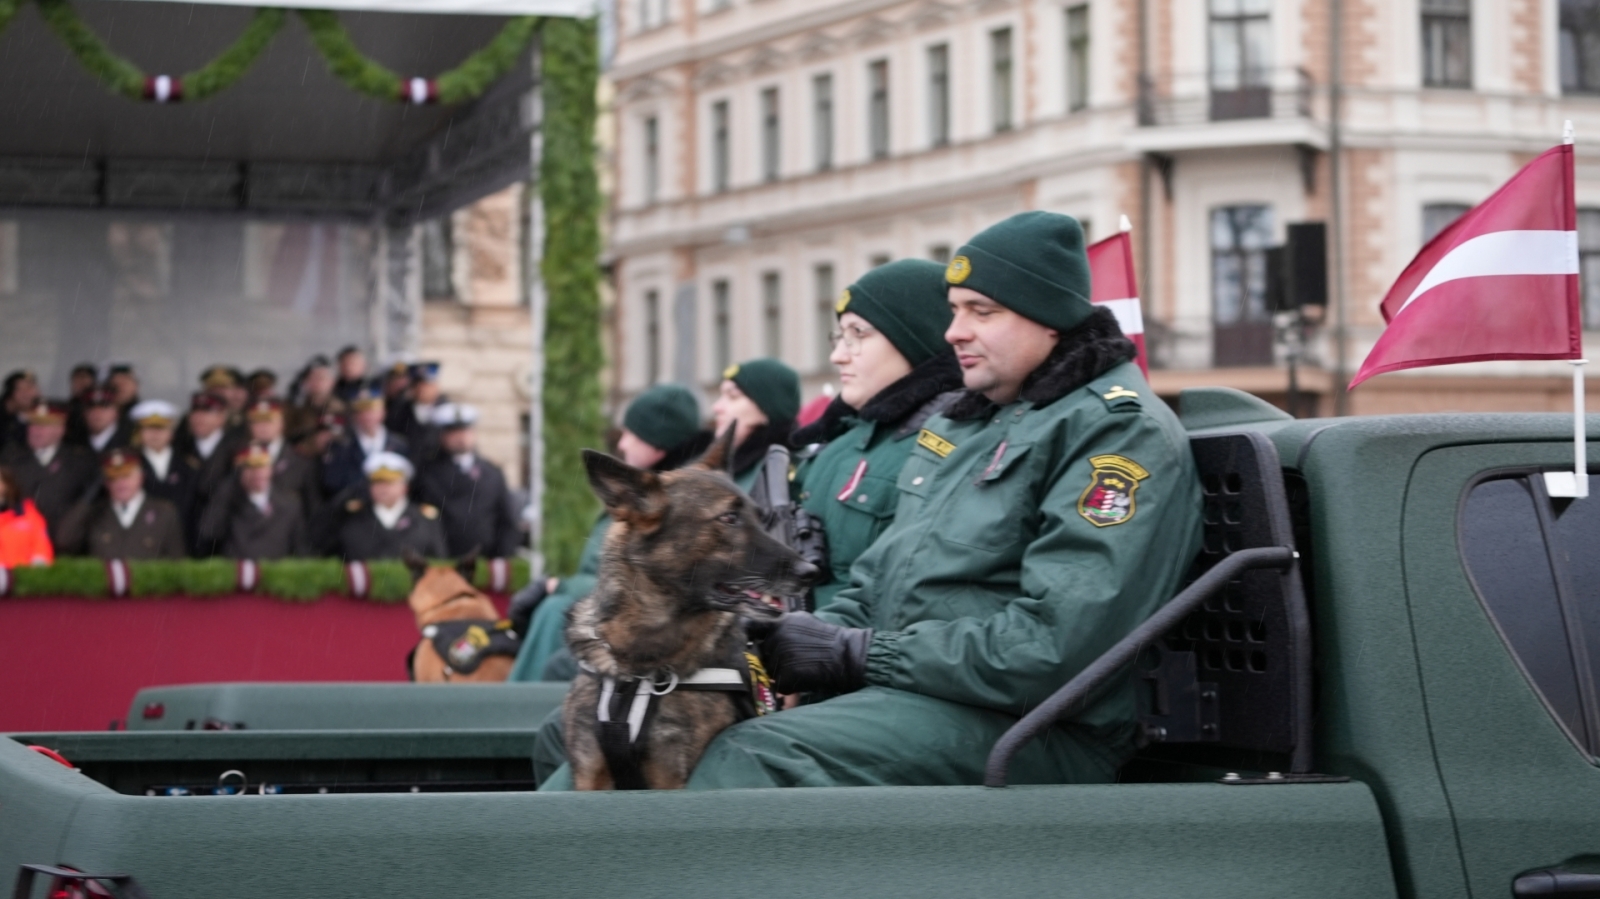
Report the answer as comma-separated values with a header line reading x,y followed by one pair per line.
x,y
647,688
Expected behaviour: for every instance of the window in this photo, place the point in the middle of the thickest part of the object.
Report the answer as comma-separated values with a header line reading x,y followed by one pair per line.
x,y
1000,78
438,259
770,145
1580,46
1447,43
878,259
652,14
939,95
878,108
1533,566
1241,323
1438,216
772,314
652,158
722,324
1241,59
822,121
719,146
652,336
822,277
1077,57
940,253
1588,265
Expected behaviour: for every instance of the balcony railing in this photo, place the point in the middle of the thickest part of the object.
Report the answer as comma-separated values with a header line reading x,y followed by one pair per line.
x,y
1197,98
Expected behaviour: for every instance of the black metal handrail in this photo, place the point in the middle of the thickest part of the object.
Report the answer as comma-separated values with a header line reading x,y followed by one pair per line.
x,y
1067,699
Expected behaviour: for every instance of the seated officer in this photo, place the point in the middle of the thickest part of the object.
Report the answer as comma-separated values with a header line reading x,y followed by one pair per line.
x,y
1051,509
124,521
895,372
470,490
168,474
367,436
252,517
54,474
380,523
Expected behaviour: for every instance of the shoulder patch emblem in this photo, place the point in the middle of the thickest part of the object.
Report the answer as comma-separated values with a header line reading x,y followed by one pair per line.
x,y
1109,498
1118,392
959,269
428,511
935,444
353,506
843,303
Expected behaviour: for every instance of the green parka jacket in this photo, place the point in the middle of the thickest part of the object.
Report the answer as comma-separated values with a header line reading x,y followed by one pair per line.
x,y
848,481
1029,538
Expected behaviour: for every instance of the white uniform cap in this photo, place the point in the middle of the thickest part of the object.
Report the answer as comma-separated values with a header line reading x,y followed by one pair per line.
x,y
154,409
387,466
455,415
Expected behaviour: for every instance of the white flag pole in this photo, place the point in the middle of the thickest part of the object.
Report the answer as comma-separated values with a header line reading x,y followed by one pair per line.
x,y
1559,483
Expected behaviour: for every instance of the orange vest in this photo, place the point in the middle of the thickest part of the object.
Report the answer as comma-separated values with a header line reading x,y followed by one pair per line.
x,y
23,537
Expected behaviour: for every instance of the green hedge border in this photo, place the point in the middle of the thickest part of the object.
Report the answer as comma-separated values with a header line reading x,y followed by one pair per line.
x,y
292,580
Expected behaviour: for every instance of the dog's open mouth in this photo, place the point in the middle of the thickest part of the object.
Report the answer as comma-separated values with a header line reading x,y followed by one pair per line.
x,y
743,597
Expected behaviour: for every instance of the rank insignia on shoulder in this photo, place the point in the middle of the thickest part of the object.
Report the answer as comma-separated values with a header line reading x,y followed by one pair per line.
x,y
1109,498
1118,392
935,444
428,512
353,506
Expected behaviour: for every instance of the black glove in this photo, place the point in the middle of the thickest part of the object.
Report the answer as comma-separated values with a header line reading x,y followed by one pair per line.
x,y
803,654
524,602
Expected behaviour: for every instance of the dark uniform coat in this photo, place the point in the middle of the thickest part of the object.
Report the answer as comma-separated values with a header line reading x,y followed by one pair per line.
x,y
241,531
362,536
295,473
212,473
341,464
476,503
156,531
421,437
1028,539
178,487
55,489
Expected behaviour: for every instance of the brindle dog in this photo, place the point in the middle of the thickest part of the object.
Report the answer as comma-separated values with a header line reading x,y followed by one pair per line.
x,y
685,563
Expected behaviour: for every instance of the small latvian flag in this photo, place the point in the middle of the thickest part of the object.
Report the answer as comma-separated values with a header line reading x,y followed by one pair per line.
x,y
1112,285
1499,283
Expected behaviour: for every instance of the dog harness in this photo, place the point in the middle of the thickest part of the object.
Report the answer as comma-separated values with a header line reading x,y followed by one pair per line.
x,y
465,644
628,705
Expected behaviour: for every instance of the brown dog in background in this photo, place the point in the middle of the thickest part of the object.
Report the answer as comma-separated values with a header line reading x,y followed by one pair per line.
x,y
684,566
463,637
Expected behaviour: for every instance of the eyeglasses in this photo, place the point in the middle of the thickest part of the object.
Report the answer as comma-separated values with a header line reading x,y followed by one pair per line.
x,y
851,337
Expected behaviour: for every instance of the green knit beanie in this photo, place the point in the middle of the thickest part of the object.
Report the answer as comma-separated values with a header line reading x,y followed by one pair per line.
x,y
906,301
773,386
1032,263
664,416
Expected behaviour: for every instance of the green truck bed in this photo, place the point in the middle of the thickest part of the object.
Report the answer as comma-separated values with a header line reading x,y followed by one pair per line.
x,y
1465,719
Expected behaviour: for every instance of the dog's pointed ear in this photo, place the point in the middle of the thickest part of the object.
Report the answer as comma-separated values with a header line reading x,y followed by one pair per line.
x,y
415,563
467,565
719,456
625,490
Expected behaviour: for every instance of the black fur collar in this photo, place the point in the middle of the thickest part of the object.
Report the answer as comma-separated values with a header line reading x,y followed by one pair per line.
x,y
894,403
753,451
1083,354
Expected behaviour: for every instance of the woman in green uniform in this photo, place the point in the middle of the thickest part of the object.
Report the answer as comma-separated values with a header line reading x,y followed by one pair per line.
x,y
895,372
759,399
660,431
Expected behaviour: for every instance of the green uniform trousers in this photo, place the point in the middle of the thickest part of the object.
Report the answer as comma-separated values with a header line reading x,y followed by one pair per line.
x,y
875,737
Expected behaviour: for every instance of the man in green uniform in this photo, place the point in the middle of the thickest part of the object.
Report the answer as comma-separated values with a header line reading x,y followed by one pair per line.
x,y
895,372
1042,517
660,431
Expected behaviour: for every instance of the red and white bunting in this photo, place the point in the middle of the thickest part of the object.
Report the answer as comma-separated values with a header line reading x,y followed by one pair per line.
x,y
499,576
119,581
249,575
357,579
5,581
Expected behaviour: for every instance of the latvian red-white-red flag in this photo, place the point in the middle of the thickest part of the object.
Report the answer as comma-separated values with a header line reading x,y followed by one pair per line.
x,y
1112,285
1500,283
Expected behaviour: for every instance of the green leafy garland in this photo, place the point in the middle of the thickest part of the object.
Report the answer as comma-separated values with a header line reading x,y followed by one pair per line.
x,y
571,192
296,580
347,63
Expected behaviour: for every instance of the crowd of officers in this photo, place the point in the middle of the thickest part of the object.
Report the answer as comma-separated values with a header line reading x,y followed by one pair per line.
x,y
349,465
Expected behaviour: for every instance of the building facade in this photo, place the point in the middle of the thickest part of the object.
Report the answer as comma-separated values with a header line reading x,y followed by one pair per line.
x,y
767,152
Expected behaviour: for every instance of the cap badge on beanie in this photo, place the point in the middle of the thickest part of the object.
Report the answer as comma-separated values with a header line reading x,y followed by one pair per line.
x,y
731,372
958,270
843,303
